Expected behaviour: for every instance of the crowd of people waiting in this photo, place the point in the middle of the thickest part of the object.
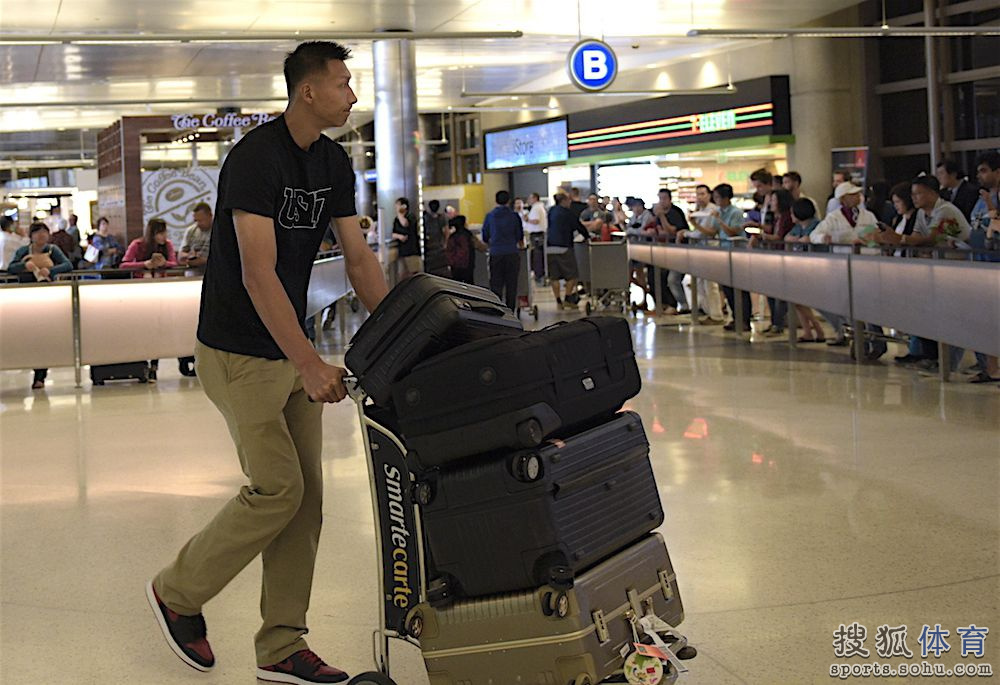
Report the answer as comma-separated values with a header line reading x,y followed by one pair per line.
x,y
55,247
944,210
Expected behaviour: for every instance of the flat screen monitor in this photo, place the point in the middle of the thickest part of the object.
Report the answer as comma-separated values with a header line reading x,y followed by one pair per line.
x,y
527,145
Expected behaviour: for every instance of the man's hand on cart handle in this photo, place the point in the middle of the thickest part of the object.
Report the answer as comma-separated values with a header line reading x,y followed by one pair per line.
x,y
323,382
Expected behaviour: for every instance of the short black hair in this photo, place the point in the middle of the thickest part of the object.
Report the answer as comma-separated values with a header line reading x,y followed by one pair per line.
x,y
310,57
5,223
795,176
457,221
403,201
434,205
202,207
927,182
36,227
724,190
763,176
990,159
667,191
503,197
950,166
803,209
702,185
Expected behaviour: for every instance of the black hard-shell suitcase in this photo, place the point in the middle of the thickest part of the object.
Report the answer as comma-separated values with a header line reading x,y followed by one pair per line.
x,y
515,391
541,515
549,636
422,316
128,371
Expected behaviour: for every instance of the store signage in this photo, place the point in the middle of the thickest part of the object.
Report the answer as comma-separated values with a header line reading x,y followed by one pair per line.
x,y
527,145
370,175
686,126
171,194
183,122
592,65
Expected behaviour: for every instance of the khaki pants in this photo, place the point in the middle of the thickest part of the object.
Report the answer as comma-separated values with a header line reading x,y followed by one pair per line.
x,y
278,436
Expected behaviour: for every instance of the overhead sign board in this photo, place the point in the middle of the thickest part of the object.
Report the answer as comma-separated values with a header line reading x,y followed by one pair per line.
x,y
537,144
184,122
592,65
754,108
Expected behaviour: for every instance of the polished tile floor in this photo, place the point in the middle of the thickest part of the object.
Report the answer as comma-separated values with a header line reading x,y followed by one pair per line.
x,y
801,492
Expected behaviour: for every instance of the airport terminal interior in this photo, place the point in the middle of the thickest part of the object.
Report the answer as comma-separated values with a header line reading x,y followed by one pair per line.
x,y
792,206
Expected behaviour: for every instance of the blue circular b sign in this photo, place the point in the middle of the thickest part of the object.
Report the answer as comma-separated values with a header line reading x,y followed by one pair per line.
x,y
592,65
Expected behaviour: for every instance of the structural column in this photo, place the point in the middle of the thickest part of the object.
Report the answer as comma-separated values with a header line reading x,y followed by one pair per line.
x,y
396,154
933,88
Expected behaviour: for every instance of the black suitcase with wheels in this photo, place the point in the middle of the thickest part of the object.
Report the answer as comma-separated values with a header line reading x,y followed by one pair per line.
x,y
515,391
422,316
129,371
543,515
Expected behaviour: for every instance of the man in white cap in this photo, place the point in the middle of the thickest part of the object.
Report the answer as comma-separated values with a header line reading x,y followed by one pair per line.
x,y
842,225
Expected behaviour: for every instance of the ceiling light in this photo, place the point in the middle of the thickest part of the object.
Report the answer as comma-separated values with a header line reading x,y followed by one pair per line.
x,y
250,37
720,90
851,32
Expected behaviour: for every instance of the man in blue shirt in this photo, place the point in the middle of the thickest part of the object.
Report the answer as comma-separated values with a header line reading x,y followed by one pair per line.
x,y
504,233
561,258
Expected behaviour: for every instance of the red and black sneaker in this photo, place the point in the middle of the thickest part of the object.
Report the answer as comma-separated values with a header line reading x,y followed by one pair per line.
x,y
185,634
301,668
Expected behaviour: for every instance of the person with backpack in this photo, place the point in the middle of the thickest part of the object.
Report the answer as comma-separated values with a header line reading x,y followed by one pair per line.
x,y
460,249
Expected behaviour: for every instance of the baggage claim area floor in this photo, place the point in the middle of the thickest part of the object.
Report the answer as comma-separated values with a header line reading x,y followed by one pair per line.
x,y
801,492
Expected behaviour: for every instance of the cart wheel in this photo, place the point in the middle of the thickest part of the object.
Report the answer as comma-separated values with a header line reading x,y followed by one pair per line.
x,y
583,679
534,311
371,678
98,382
588,309
687,652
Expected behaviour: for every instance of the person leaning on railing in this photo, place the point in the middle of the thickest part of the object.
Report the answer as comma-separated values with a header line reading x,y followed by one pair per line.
x,y
38,260
152,252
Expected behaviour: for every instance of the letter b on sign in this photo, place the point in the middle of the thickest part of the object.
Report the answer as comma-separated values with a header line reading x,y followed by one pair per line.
x,y
595,65
592,65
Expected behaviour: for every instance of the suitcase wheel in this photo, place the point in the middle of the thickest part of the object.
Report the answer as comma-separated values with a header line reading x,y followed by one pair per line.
x,y
561,577
528,468
423,494
529,433
440,592
555,604
371,678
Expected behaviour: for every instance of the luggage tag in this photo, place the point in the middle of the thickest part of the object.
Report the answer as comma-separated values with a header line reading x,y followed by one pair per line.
x,y
652,625
643,668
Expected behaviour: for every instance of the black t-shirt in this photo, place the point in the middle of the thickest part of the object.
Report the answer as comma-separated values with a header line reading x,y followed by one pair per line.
x,y
267,174
411,246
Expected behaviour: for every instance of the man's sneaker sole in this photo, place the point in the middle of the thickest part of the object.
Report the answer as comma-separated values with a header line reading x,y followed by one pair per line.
x,y
274,677
162,622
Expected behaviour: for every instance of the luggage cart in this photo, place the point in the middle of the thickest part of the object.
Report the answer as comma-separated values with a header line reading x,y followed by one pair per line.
x,y
525,285
402,568
525,292
610,276
582,253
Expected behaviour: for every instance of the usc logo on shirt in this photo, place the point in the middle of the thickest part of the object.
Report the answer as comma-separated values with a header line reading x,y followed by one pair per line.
x,y
302,208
